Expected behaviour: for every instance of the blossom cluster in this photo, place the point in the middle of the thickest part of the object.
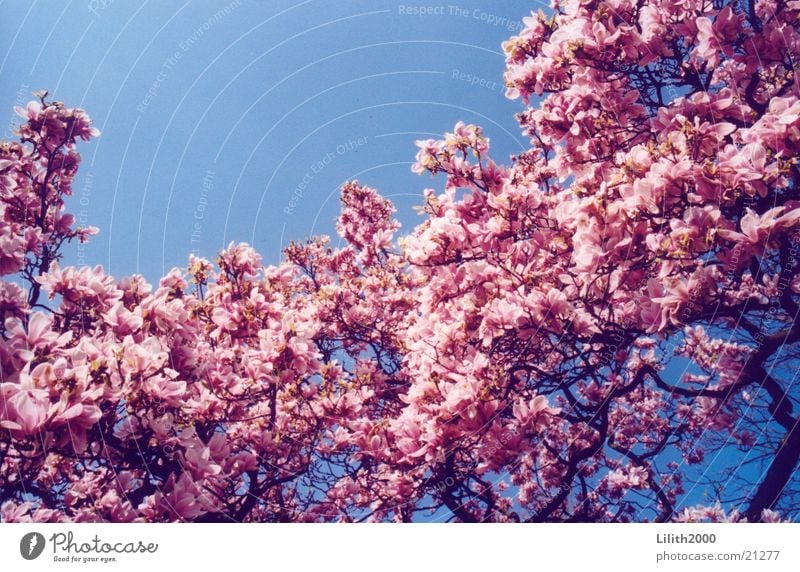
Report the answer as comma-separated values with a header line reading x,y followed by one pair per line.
x,y
504,360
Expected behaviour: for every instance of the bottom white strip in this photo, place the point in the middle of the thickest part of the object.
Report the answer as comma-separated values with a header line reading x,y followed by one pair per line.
x,y
422,547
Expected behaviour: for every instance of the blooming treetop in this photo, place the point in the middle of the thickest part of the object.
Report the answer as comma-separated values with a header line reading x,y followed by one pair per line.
x,y
506,360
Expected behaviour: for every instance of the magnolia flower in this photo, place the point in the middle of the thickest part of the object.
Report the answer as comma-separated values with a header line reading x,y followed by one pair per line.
x,y
22,411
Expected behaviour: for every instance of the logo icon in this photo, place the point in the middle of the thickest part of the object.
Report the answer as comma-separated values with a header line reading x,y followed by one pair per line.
x,y
31,546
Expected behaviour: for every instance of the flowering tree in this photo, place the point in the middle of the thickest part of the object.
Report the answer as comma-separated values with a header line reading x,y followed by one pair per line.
x,y
511,358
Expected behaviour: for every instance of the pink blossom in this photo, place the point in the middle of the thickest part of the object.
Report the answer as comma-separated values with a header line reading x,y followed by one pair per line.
x,y
22,411
575,334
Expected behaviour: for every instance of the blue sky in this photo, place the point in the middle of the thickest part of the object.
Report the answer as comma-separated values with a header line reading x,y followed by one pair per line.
x,y
212,120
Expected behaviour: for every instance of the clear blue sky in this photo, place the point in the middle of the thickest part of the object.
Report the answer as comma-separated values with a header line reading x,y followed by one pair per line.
x,y
211,122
